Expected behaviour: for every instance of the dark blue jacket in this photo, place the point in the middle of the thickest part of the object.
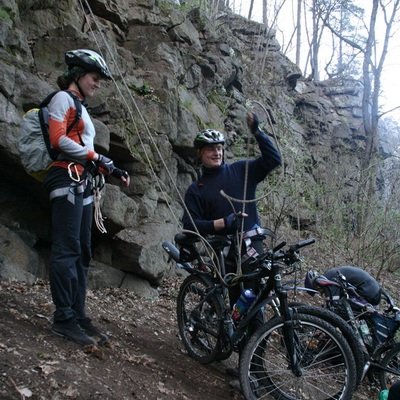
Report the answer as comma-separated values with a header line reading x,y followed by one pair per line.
x,y
205,202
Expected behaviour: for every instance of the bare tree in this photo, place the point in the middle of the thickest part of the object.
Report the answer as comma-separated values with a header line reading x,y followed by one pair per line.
x,y
298,32
374,59
374,52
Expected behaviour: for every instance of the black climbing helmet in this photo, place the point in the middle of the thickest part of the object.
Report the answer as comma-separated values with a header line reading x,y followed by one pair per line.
x,y
88,60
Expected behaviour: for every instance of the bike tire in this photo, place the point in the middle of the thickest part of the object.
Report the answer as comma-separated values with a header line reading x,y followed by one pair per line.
x,y
390,360
199,323
360,357
327,364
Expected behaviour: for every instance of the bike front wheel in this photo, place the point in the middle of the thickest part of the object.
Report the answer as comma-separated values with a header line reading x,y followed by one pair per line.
x,y
199,319
325,367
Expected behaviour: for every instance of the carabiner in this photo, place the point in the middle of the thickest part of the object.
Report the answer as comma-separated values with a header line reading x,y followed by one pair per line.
x,y
73,172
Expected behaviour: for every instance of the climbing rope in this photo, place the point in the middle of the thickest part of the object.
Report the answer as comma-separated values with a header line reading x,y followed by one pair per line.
x,y
98,216
160,184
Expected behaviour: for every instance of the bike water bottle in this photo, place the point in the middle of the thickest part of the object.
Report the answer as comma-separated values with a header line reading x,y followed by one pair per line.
x,y
243,303
365,333
383,395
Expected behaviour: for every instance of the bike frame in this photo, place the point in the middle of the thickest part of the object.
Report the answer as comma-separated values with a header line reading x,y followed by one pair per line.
x,y
374,356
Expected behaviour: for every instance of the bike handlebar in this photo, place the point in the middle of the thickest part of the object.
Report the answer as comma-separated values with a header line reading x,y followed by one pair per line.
x,y
263,267
291,252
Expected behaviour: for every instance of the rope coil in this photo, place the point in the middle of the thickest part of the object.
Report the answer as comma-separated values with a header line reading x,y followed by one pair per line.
x,y
98,216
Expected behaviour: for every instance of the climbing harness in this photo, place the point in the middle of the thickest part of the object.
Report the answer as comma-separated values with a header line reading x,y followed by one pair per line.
x,y
78,186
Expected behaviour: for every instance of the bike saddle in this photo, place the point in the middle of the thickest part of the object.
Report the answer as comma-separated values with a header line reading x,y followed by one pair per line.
x,y
322,281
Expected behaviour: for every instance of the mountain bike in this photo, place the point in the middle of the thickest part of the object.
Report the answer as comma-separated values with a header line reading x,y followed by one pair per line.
x,y
292,356
377,330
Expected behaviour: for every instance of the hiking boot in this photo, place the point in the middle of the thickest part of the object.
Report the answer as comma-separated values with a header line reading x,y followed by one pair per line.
x,y
91,330
71,331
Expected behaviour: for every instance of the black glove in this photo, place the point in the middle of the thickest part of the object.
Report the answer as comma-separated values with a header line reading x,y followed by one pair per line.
x,y
253,125
234,220
106,163
119,173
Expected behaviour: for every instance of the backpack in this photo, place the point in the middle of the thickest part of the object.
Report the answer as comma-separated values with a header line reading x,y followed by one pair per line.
x,y
34,146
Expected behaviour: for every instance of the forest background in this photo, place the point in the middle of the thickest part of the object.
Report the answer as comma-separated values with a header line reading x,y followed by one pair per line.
x,y
356,39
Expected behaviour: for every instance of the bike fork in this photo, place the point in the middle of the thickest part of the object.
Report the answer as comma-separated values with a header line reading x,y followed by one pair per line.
x,y
289,335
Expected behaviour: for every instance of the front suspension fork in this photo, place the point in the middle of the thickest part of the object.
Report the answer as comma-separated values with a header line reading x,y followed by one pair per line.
x,y
289,333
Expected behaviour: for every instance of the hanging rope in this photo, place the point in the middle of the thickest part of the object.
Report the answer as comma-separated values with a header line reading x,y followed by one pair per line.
x,y
160,184
130,111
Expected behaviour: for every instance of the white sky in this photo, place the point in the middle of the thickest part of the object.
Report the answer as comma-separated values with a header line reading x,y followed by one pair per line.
x,y
390,78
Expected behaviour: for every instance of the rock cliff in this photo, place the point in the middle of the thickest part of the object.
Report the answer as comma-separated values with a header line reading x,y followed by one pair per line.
x,y
177,70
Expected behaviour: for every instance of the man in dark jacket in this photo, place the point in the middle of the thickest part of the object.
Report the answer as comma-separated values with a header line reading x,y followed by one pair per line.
x,y
208,212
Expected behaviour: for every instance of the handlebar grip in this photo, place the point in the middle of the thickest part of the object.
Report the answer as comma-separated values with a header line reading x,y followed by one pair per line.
x,y
171,250
297,246
283,244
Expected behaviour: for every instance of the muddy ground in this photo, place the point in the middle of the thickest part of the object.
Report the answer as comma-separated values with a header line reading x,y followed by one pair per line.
x,y
145,358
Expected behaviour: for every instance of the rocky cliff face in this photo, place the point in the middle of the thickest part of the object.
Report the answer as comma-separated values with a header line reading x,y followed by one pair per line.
x,y
176,72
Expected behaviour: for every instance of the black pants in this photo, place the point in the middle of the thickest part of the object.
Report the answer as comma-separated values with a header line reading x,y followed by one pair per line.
x,y
72,216
394,391
235,291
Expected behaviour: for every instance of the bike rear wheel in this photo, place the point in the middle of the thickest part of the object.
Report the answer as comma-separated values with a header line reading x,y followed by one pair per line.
x,y
391,360
199,320
326,363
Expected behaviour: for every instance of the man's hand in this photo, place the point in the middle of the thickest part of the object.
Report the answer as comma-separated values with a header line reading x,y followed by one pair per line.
x,y
234,220
252,122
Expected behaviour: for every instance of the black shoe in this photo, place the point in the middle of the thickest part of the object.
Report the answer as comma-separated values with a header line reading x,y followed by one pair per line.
x,y
71,330
232,372
91,330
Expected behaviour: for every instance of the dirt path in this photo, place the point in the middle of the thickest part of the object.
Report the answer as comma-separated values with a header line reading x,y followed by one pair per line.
x,y
145,359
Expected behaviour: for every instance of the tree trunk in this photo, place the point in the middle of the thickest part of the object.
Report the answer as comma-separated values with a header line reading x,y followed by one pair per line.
x,y
372,73
298,34
251,8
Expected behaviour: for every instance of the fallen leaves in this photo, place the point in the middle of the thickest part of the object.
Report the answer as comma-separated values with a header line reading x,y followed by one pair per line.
x,y
48,368
23,392
93,350
143,360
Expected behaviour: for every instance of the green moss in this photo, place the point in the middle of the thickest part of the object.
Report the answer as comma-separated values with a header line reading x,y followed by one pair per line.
x,y
4,15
